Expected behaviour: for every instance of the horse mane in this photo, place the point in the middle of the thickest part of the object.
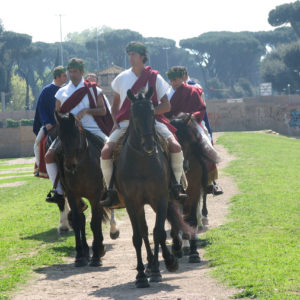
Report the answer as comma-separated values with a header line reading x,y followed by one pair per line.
x,y
187,127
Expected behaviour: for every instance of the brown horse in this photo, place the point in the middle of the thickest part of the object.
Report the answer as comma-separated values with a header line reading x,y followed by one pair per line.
x,y
81,176
142,176
195,154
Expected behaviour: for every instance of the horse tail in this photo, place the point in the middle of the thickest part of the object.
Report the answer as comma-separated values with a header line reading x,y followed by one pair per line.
x,y
105,214
176,220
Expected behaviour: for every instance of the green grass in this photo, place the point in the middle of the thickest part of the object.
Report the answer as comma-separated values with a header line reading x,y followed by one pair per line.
x,y
258,249
28,235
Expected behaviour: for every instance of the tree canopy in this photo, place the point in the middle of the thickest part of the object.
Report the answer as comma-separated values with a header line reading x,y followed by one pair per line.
x,y
286,14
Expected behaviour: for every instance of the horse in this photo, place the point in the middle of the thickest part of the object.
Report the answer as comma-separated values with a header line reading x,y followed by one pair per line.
x,y
142,176
81,176
65,219
195,153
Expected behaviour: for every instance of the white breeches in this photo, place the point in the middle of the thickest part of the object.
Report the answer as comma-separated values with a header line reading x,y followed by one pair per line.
x,y
160,127
36,146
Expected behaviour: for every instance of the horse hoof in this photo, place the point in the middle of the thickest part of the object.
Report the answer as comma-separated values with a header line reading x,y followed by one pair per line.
x,y
63,229
95,262
186,251
114,235
204,220
194,258
172,264
102,251
178,253
81,262
148,272
142,283
155,277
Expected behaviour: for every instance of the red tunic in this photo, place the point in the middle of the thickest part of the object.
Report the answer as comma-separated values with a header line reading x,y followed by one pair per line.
x,y
105,123
148,76
187,98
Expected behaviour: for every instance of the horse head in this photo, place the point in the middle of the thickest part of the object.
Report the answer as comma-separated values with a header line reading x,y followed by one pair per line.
x,y
143,119
72,139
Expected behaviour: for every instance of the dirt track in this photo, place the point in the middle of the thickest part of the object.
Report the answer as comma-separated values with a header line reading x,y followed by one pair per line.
x,y
115,279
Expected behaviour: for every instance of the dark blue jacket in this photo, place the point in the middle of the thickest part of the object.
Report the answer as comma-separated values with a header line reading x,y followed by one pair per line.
x,y
44,113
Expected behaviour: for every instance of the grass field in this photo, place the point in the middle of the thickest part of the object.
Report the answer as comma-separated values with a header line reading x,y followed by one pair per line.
x,y
258,249
28,236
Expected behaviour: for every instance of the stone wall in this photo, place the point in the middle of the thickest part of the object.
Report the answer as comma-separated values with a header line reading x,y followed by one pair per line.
x,y
16,142
279,113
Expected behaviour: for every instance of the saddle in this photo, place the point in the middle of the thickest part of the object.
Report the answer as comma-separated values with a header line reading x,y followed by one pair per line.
x,y
161,142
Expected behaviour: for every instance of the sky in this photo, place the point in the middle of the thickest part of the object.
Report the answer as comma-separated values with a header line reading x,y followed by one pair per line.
x,y
171,19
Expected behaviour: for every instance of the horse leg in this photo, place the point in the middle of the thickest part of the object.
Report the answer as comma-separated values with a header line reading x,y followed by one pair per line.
x,y
176,243
204,210
96,227
141,278
64,225
193,253
78,222
114,230
160,236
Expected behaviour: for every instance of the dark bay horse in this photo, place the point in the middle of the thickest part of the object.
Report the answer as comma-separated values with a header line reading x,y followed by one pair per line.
x,y
195,152
81,176
142,176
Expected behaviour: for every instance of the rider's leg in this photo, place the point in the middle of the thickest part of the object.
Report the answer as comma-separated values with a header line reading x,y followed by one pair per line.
x,y
107,166
52,171
107,162
36,147
176,159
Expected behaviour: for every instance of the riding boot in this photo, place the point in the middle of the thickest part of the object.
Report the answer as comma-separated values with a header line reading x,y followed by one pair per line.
x,y
111,199
179,193
54,197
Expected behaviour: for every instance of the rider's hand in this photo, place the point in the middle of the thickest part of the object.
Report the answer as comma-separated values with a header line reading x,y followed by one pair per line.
x,y
116,126
48,126
81,114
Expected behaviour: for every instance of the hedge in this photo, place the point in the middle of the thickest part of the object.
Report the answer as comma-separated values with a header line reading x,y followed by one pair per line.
x,y
14,124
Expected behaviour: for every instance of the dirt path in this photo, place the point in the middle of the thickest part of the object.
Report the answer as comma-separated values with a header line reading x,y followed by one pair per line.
x,y
115,279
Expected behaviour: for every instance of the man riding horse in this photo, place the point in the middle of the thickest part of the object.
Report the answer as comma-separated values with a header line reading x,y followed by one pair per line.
x,y
140,77
185,98
84,100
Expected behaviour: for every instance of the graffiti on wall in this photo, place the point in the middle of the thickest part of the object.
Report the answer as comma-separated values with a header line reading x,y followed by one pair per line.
x,y
295,118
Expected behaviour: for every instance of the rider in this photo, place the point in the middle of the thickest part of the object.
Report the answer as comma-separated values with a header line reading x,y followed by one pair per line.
x,y
85,100
188,98
44,114
214,188
136,78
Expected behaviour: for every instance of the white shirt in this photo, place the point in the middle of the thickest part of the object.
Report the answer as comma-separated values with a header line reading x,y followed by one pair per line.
x,y
65,92
170,93
125,80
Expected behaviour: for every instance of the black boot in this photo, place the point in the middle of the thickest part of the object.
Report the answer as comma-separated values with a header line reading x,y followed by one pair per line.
x,y
54,197
179,193
111,199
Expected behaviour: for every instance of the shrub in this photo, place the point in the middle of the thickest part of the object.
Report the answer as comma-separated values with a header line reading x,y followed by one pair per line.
x,y
12,123
26,122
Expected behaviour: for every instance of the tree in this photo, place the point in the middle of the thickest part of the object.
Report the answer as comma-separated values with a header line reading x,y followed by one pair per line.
x,y
228,56
281,67
286,14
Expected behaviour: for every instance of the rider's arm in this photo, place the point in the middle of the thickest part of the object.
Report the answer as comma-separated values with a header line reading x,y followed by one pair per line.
x,y
163,107
115,107
99,110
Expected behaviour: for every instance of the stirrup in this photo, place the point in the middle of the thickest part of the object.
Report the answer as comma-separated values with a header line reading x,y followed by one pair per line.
x,y
111,199
217,190
179,193
54,197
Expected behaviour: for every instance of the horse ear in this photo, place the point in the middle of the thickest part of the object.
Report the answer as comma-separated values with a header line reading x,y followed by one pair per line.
x,y
131,96
71,117
57,116
187,118
149,93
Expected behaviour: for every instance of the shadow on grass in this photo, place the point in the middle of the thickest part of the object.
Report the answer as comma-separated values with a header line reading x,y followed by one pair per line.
x,y
61,271
49,236
129,291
